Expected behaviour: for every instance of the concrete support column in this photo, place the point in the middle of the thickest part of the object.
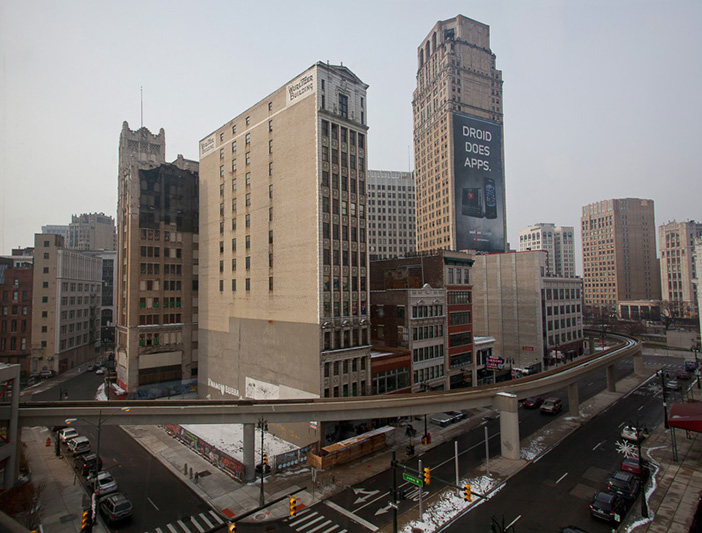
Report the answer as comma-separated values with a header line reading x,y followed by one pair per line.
x,y
573,400
638,363
250,451
509,424
591,344
611,381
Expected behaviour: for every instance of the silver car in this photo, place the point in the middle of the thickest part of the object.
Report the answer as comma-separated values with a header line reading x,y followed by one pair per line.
x,y
105,483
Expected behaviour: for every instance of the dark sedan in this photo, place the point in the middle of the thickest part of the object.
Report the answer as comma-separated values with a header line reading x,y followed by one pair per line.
x,y
608,506
625,484
86,463
532,402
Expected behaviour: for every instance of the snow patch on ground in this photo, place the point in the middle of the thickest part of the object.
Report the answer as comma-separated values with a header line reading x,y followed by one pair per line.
x,y
442,511
230,439
536,447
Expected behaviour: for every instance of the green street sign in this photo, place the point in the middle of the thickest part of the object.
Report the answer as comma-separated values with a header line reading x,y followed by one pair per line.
x,y
412,479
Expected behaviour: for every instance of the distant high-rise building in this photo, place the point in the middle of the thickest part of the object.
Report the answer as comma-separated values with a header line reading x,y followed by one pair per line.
x,y
92,231
458,149
56,229
157,257
678,272
284,265
391,216
557,241
65,302
619,253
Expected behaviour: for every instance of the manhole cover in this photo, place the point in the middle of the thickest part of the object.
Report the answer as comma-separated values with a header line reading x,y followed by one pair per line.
x,y
260,516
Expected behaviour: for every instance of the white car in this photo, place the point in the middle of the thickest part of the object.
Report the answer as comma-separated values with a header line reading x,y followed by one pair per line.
x,y
67,434
634,434
100,371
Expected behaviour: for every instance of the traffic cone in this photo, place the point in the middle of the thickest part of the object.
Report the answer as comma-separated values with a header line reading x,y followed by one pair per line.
x,y
48,441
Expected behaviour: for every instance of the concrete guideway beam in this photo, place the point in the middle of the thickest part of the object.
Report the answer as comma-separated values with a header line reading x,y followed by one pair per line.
x,y
508,406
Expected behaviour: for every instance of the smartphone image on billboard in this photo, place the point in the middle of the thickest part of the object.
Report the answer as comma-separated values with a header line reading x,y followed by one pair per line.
x,y
490,198
472,202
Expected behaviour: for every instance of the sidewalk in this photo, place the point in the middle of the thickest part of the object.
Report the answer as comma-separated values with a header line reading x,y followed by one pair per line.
x,y
672,503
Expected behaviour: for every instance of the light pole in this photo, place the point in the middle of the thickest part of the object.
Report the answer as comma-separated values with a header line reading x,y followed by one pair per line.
x,y
97,453
695,348
263,427
644,505
665,405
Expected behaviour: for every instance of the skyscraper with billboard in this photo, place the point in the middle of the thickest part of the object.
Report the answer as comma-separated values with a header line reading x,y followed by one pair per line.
x,y
458,147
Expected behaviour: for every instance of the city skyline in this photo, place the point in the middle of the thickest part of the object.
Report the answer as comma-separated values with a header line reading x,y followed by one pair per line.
x,y
601,79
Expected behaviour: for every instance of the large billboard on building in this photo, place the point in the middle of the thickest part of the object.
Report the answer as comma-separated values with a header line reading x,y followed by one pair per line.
x,y
479,186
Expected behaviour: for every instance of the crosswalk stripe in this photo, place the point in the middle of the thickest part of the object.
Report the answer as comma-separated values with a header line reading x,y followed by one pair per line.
x,y
185,528
302,528
204,519
300,519
197,525
325,524
158,530
330,529
172,529
216,517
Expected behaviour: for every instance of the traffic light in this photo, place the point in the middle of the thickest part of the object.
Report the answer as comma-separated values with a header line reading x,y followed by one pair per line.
x,y
85,521
231,527
466,492
427,476
265,458
291,504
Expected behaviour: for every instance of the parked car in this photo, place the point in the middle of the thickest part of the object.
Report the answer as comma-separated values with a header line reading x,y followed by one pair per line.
x,y
79,445
634,434
572,529
442,419
631,465
91,367
67,434
105,483
85,464
532,402
551,406
607,506
115,507
100,371
683,375
45,374
457,415
673,385
625,485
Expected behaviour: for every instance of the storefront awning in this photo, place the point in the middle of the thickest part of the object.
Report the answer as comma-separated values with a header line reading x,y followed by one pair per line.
x,y
686,416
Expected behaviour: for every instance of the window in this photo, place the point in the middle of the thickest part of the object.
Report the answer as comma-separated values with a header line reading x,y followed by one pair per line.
x,y
270,283
233,146
248,158
270,146
248,263
270,122
248,243
248,121
233,285
248,284
344,105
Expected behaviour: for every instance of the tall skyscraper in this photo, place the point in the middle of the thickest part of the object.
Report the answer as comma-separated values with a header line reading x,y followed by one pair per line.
x,y
284,263
92,231
678,272
157,256
557,241
619,252
391,217
458,148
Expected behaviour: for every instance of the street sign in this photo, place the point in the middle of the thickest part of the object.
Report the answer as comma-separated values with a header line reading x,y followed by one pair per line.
x,y
412,479
494,362
690,366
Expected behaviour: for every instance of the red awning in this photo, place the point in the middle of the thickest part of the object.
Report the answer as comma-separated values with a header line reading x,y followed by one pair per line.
x,y
686,416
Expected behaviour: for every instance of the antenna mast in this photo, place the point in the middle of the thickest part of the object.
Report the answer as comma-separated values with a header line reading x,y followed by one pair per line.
x,y
141,89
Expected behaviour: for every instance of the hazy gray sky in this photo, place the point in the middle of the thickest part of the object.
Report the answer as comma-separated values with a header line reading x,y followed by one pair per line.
x,y
601,98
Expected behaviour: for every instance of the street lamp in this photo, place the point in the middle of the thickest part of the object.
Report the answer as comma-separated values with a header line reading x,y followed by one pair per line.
x,y
262,427
665,405
99,431
695,348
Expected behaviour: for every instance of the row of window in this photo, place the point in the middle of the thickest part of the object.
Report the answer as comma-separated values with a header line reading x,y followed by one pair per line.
x,y
564,309
348,310
12,345
427,352
15,309
459,297
555,340
426,311
15,296
391,380
427,332
564,323
167,318
424,374
562,294
461,276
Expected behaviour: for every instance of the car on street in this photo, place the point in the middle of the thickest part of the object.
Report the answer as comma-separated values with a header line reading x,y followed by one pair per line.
x,y
115,507
100,371
91,367
608,506
67,434
79,445
105,483
551,406
634,434
532,402
457,415
631,465
85,464
625,485
673,385
683,376
442,419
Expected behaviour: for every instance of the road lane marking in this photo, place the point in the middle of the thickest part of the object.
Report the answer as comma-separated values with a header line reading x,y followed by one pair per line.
x,y
204,518
325,524
197,525
639,409
304,518
185,528
330,529
172,529
216,517
152,503
560,479
302,528
352,516
598,445
513,522
620,425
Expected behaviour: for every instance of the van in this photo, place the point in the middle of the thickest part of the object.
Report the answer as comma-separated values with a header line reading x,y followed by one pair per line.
x,y
79,445
551,406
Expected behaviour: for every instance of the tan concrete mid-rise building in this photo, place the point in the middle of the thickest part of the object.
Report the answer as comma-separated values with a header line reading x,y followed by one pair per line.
x,y
92,231
678,272
157,260
619,253
66,300
391,216
557,241
458,149
283,228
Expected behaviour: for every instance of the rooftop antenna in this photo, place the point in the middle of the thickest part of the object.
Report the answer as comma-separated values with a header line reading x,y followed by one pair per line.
x,y
141,89
409,165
